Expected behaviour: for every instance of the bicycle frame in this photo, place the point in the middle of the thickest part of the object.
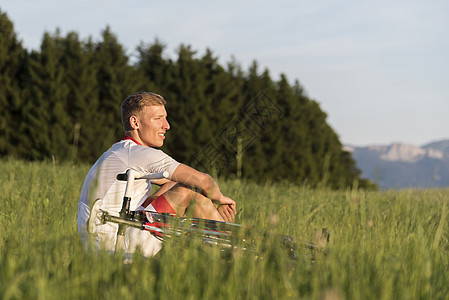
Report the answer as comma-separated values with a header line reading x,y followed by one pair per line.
x,y
125,215
161,225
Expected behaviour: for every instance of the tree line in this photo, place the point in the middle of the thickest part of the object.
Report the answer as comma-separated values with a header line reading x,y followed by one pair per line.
x,y
63,101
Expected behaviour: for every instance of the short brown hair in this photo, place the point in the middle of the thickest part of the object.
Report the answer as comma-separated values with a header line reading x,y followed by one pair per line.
x,y
134,104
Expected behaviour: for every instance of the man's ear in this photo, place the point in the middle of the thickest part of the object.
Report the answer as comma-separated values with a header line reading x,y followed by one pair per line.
x,y
134,122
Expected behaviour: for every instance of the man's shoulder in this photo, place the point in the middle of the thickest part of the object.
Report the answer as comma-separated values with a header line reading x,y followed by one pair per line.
x,y
148,151
138,150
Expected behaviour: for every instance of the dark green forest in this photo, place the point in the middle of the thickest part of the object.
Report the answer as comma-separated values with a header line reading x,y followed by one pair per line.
x,y
63,101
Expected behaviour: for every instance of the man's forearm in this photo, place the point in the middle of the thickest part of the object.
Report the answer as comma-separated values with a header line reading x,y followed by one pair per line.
x,y
193,178
211,189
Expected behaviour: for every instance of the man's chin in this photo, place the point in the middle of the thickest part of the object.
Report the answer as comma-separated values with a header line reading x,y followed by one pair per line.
x,y
158,145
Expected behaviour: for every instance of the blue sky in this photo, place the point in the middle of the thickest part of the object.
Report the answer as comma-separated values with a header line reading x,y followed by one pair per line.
x,y
379,69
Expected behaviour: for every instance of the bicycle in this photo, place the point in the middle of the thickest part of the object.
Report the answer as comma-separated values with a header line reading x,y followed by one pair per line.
x,y
227,236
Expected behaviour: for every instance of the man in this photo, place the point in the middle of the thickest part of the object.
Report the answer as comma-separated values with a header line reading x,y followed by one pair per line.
x,y
144,119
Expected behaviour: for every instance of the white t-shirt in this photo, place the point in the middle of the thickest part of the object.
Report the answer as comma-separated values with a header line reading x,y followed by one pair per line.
x,y
101,183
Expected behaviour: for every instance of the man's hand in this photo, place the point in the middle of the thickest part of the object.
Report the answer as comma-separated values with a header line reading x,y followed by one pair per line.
x,y
227,209
227,212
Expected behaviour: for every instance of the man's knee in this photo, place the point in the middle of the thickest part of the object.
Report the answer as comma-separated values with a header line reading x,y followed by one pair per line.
x,y
180,195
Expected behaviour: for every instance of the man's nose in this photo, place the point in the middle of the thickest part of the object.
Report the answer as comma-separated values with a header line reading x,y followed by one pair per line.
x,y
166,125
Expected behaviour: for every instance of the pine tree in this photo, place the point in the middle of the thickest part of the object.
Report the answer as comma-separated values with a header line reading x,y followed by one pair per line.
x,y
259,91
12,58
47,124
219,111
82,99
155,69
287,135
116,80
186,106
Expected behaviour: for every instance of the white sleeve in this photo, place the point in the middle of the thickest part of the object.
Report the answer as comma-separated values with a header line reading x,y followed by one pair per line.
x,y
151,160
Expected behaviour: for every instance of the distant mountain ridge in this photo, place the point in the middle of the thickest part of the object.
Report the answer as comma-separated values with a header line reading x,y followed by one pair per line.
x,y
401,165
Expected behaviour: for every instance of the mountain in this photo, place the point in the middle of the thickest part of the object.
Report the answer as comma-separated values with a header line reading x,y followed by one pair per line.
x,y
402,165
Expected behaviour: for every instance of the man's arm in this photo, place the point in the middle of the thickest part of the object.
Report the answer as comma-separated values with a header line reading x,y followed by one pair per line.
x,y
191,177
160,182
164,184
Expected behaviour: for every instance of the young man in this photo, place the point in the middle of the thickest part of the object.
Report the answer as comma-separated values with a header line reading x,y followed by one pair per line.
x,y
145,122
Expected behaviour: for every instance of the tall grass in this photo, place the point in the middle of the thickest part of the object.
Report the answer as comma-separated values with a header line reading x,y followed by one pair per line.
x,y
384,245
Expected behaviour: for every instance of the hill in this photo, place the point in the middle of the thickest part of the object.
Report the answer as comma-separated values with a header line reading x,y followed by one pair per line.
x,y
401,165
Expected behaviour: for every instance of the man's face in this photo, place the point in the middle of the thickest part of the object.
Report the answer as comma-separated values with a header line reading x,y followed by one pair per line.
x,y
152,125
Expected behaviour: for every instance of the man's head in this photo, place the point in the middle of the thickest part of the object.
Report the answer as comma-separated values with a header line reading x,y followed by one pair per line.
x,y
144,118
134,104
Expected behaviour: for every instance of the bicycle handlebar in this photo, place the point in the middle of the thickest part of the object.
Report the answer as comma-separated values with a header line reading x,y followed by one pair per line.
x,y
143,175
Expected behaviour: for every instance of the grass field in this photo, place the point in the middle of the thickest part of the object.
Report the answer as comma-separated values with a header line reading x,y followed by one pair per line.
x,y
384,245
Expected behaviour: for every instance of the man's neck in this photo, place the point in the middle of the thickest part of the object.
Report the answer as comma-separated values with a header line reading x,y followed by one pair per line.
x,y
130,137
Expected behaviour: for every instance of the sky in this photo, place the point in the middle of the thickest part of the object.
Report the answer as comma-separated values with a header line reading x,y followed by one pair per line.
x,y
379,69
